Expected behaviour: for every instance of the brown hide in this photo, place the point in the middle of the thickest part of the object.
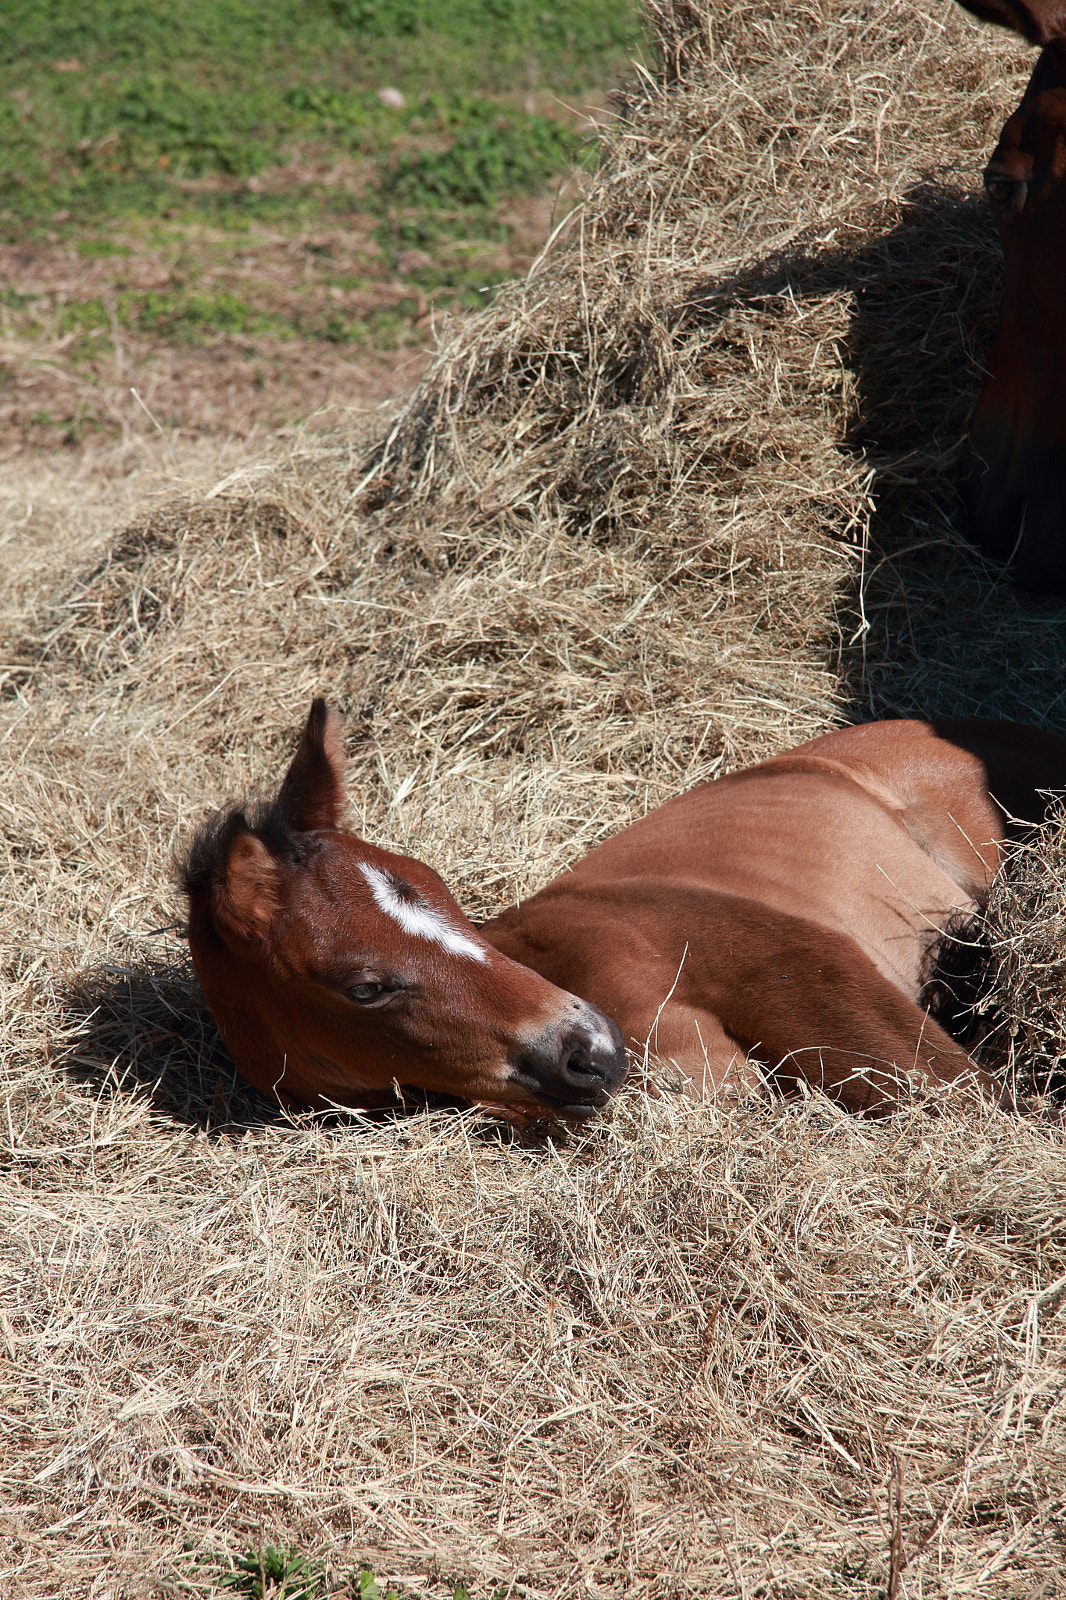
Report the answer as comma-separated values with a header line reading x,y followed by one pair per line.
x,y
787,912
784,915
1013,468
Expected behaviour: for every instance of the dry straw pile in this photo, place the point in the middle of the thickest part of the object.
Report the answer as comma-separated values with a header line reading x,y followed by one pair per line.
x,y
679,500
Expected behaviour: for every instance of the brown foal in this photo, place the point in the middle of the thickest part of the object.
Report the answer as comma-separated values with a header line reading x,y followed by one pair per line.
x,y
785,917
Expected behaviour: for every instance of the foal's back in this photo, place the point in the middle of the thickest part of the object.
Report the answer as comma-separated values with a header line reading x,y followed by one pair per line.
x,y
826,874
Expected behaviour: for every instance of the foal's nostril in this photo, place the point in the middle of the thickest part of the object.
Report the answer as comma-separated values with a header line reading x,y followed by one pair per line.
x,y
576,1067
579,1065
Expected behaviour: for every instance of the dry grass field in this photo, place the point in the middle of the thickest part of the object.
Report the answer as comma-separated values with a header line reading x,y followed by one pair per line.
x,y
681,498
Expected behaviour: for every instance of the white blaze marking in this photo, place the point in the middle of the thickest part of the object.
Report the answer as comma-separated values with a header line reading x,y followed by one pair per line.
x,y
424,922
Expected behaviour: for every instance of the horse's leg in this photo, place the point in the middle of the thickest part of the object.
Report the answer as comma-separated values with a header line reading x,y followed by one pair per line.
x,y
867,1061
806,1001
693,1040
816,1009
884,1059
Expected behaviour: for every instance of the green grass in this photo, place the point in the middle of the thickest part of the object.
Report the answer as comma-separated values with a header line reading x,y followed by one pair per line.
x,y
501,155
137,128
112,107
272,1573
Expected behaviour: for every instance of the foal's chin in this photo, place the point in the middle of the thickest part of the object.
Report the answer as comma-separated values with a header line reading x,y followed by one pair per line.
x,y
529,1115
539,1108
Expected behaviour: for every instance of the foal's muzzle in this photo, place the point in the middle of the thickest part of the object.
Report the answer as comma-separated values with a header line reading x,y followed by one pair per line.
x,y
574,1066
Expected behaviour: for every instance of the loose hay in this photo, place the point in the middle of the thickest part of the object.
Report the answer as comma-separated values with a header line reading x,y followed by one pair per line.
x,y
1025,928
681,499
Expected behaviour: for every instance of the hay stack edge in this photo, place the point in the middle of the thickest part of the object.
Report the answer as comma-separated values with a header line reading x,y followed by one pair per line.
x,y
679,500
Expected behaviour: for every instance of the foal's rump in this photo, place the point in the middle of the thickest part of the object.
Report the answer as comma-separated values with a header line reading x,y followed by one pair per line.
x,y
958,785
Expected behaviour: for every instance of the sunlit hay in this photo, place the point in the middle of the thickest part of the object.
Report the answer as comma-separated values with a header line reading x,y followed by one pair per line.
x,y
681,499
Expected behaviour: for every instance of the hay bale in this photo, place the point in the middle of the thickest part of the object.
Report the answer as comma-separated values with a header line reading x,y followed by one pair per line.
x,y
1025,989
680,499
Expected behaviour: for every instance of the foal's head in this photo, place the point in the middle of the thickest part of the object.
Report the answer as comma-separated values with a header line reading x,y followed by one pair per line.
x,y
337,971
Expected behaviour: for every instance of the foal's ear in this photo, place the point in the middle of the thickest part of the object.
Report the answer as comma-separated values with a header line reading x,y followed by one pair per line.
x,y
1039,21
247,895
312,794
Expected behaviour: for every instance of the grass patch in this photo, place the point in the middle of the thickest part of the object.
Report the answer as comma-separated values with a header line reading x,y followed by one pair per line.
x,y
101,249
83,316
182,317
273,1573
108,108
575,31
415,127
507,155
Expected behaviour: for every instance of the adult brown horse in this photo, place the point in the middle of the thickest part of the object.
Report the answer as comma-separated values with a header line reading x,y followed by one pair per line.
x,y
1014,463
790,913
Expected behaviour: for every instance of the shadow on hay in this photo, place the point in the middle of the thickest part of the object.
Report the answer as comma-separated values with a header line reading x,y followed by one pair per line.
x,y
929,627
144,1028
937,630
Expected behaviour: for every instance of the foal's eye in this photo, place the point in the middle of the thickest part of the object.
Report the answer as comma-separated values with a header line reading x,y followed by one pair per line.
x,y
363,992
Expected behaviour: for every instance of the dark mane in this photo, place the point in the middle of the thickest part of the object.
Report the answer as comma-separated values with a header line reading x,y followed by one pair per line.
x,y
200,862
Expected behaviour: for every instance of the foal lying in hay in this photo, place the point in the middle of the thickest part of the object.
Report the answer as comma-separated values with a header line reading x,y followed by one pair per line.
x,y
786,913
